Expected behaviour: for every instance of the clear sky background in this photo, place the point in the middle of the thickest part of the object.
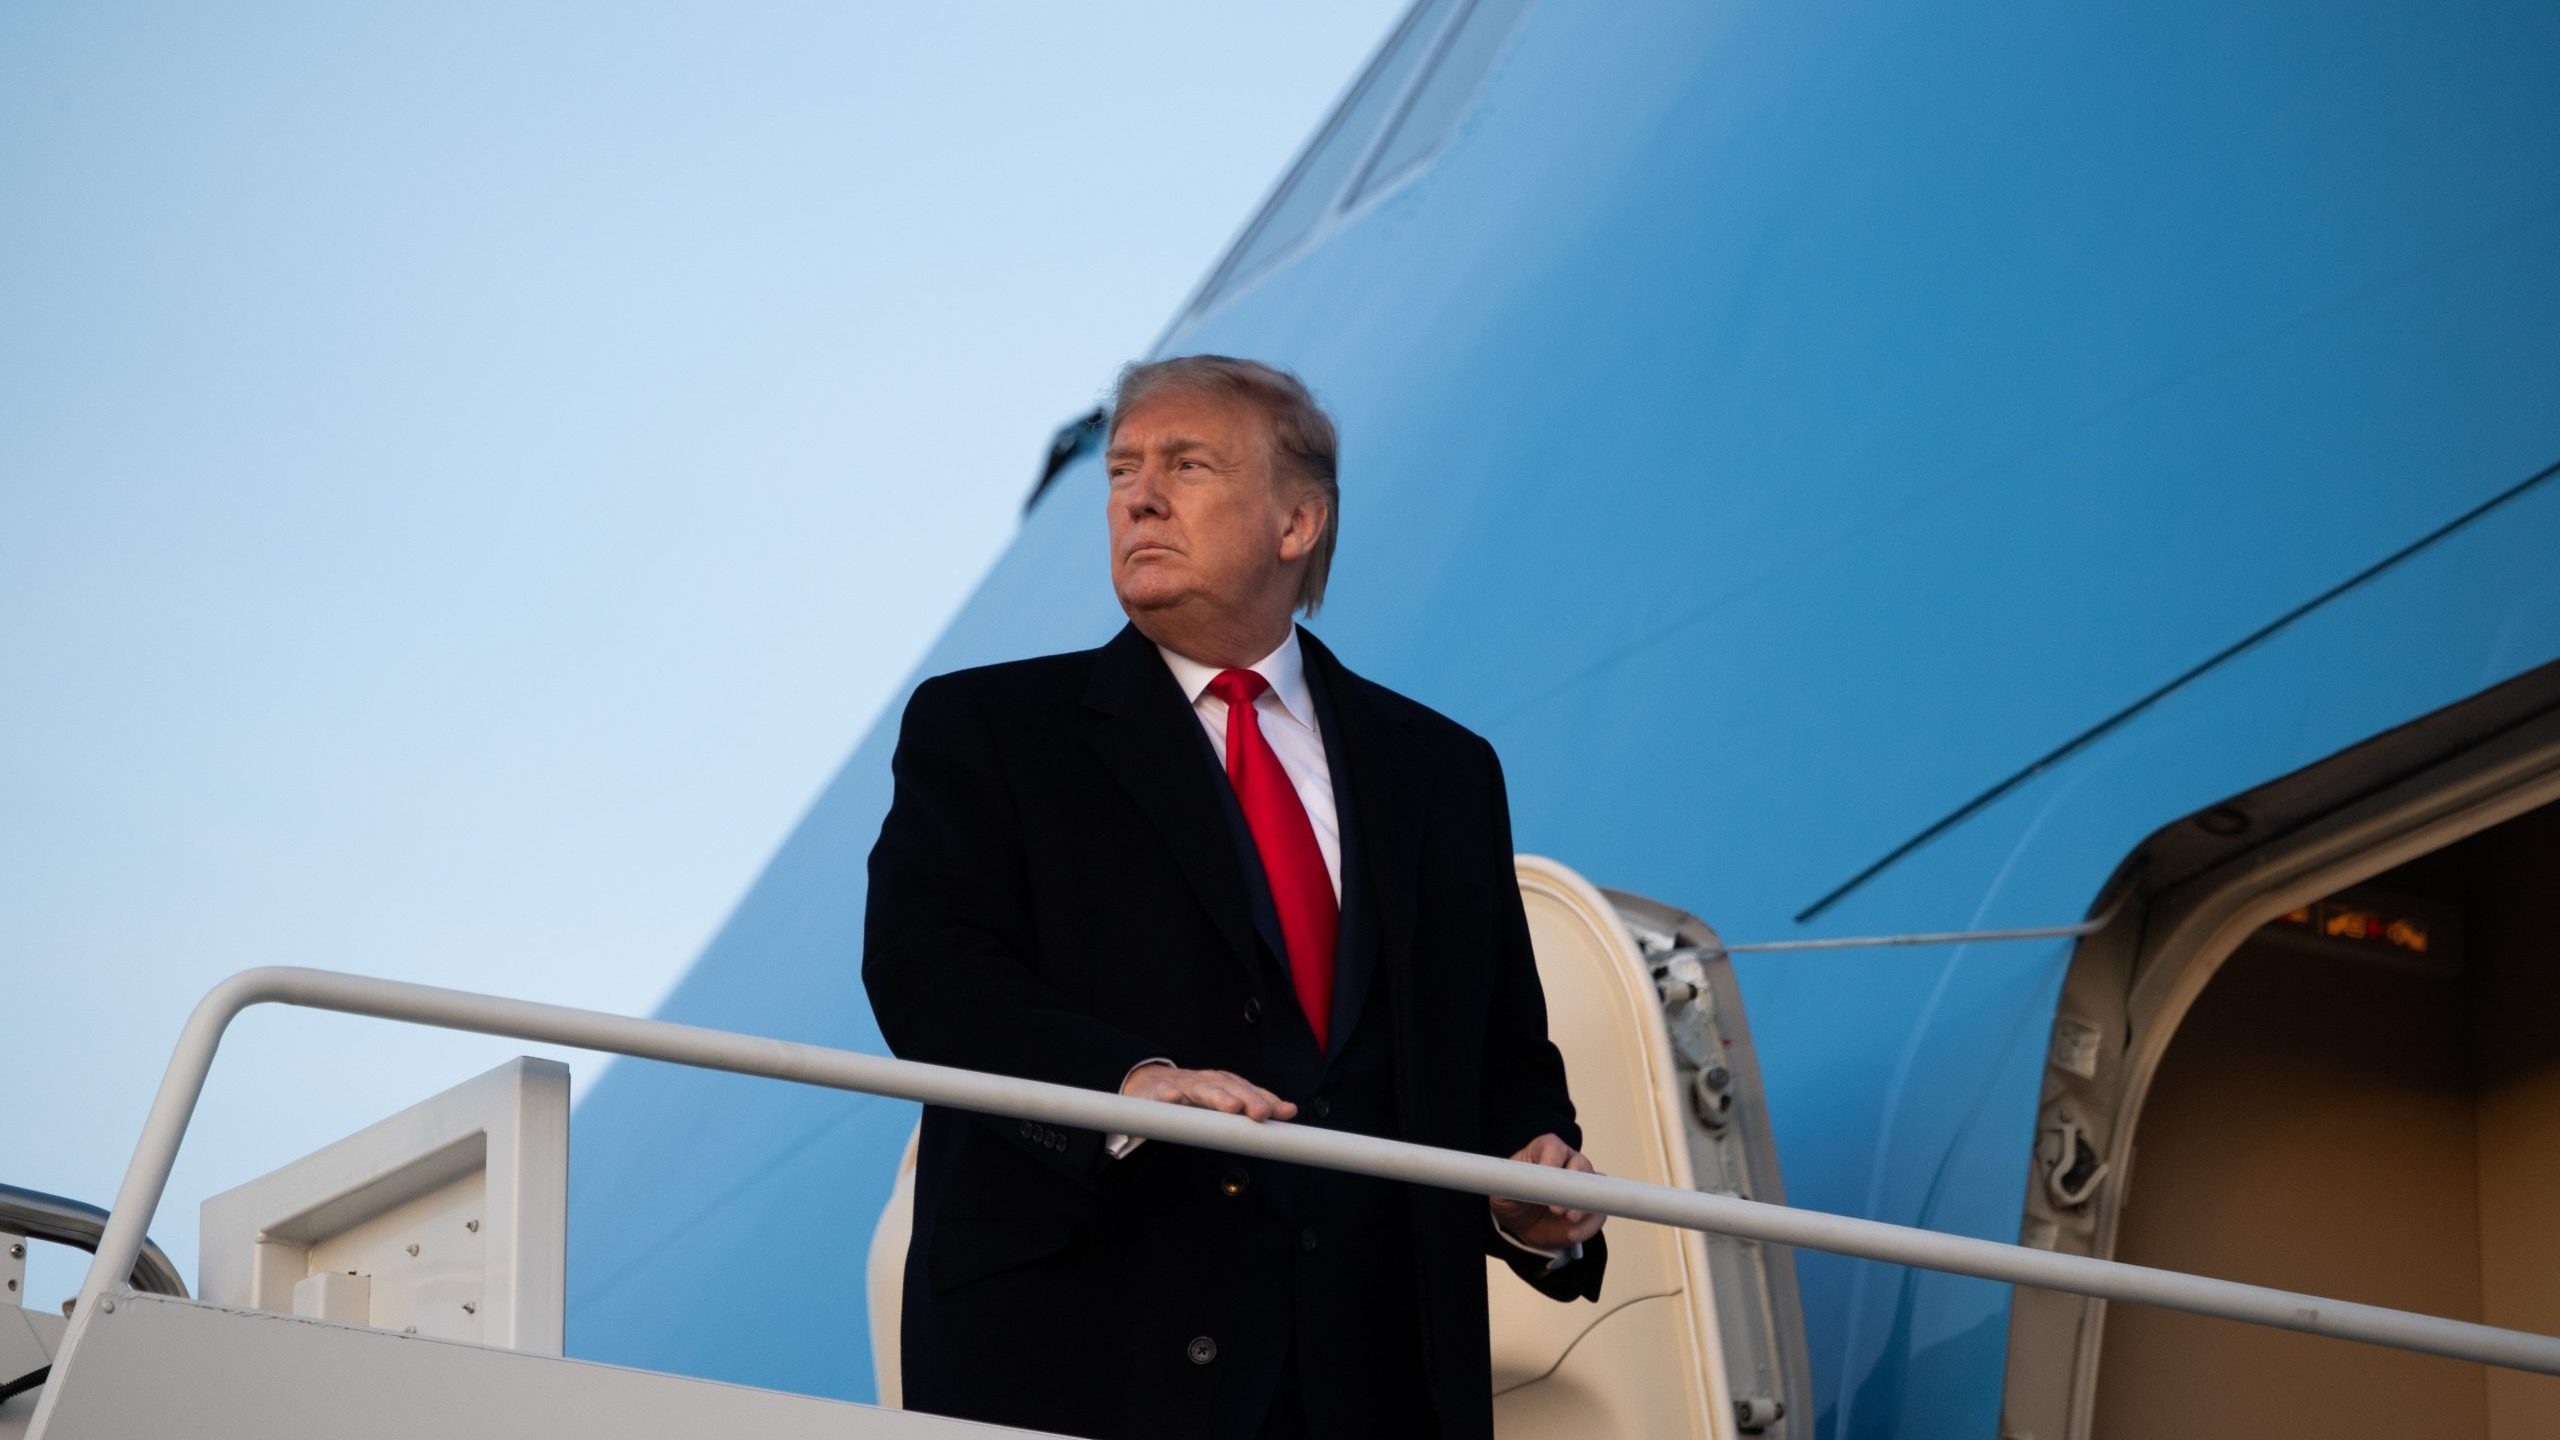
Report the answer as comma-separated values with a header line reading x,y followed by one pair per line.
x,y
469,472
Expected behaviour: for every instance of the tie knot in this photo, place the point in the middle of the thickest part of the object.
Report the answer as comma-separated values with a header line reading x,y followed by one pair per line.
x,y
1238,687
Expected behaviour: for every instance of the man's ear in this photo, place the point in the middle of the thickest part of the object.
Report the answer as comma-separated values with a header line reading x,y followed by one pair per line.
x,y
1307,519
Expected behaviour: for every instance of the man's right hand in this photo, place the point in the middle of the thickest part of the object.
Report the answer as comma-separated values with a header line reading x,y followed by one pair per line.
x,y
1207,1089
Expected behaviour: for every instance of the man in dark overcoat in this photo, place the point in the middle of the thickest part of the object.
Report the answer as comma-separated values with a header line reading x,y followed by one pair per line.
x,y
1208,864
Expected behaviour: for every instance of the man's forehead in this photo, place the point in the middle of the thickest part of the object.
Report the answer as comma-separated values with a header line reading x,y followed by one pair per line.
x,y
1162,442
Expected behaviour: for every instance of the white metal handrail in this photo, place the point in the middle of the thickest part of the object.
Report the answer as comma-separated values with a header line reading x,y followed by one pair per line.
x,y
171,1109
60,1220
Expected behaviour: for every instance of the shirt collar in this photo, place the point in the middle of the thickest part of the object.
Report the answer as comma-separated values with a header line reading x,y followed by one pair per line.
x,y
1285,669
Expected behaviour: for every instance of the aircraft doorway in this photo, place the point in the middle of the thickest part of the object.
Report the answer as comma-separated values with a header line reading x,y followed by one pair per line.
x,y
2363,1102
2316,1046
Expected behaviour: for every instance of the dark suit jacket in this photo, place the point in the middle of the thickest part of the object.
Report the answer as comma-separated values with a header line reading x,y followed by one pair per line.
x,y
1064,887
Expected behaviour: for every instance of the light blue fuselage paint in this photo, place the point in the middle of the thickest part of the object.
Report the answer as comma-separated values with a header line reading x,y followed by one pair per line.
x,y
1774,427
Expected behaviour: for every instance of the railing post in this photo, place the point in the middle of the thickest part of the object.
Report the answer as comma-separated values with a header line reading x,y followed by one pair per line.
x,y
146,1178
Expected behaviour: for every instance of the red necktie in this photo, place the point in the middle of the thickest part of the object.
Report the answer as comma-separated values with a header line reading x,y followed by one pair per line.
x,y
1300,889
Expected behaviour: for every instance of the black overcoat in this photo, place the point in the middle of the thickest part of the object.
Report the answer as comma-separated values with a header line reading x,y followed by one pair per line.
x,y
1061,890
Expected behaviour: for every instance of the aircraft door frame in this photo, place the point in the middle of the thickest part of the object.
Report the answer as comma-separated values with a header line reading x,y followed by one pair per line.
x,y
2195,891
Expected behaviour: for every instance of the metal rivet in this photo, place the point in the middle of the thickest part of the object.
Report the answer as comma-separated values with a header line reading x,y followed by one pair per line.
x,y
106,1304
18,1250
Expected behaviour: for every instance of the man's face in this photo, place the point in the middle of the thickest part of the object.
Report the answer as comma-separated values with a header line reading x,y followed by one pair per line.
x,y
1197,524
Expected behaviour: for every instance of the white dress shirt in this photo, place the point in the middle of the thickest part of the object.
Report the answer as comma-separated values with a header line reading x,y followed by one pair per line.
x,y
1288,715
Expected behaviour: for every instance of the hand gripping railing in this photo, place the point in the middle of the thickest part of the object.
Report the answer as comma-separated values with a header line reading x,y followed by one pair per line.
x,y
1333,1150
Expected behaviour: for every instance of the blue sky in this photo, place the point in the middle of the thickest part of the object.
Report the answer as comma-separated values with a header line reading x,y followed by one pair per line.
x,y
469,472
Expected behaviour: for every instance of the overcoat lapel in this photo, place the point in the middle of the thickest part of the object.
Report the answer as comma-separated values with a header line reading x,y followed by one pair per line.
x,y
1148,738
1386,780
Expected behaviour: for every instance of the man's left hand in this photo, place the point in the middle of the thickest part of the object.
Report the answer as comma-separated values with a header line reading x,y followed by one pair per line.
x,y
1548,1227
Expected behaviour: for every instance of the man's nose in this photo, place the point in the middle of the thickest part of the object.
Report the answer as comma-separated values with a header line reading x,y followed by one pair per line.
x,y
1144,493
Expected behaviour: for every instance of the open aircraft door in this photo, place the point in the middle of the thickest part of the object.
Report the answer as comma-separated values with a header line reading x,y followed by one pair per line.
x,y
1695,1335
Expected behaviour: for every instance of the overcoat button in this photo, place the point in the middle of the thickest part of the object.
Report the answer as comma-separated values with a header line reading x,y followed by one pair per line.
x,y
1253,1009
1234,1181
1307,1239
1320,1107
1202,1350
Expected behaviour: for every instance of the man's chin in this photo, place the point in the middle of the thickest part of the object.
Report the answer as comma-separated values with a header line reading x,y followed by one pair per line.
x,y
1136,600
